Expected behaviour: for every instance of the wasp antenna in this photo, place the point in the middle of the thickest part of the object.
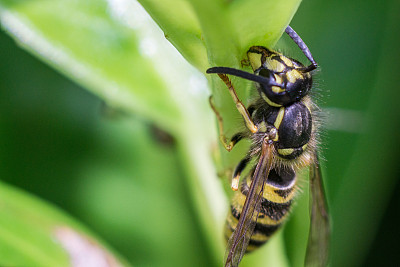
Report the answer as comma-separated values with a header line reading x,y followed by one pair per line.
x,y
309,68
242,74
304,48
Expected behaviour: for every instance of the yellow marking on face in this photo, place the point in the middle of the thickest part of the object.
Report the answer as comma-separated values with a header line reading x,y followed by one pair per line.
x,y
278,78
294,75
277,89
304,147
287,61
279,118
269,102
275,65
285,151
255,60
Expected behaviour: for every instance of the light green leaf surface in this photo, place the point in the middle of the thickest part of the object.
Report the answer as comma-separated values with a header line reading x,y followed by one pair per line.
x,y
35,234
135,76
178,21
91,43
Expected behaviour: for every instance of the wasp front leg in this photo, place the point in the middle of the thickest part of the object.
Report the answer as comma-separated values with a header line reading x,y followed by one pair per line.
x,y
239,105
224,140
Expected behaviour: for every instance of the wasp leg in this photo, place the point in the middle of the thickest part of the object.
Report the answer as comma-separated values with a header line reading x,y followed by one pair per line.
x,y
302,45
238,171
224,140
239,105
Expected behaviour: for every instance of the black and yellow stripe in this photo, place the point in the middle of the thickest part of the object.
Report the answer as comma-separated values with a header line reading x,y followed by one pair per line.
x,y
278,194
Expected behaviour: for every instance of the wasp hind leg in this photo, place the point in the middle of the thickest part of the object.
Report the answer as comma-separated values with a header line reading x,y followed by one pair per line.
x,y
224,140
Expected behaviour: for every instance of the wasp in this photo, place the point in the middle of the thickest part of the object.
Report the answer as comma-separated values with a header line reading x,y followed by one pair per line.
x,y
282,125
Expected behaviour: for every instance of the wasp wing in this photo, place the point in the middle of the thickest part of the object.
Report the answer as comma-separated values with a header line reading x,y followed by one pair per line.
x,y
318,238
240,238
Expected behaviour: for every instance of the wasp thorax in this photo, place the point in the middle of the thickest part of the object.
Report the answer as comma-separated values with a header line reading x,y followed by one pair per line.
x,y
290,127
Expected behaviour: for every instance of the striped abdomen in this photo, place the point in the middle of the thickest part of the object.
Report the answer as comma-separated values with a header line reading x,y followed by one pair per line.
x,y
279,192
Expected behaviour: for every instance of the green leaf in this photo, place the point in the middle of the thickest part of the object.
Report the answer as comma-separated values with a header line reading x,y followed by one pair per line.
x,y
368,183
230,28
35,234
261,22
178,21
92,44
96,44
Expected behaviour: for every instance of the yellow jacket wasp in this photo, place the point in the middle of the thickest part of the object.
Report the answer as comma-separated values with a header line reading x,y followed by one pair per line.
x,y
283,128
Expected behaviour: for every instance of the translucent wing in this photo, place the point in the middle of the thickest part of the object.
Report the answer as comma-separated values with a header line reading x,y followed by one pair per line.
x,y
240,238
318,238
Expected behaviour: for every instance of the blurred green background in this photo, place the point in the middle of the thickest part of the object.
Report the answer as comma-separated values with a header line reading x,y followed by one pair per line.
x,y
103,166
100,165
